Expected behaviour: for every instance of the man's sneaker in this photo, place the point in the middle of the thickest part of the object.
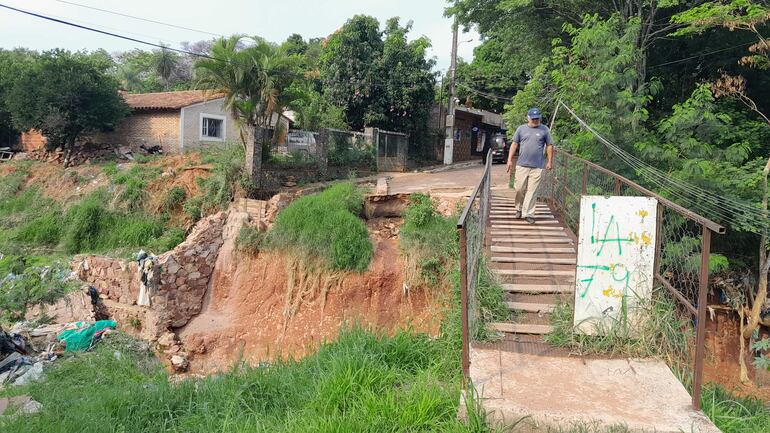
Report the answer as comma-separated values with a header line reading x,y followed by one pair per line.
x,y
530,220
517,215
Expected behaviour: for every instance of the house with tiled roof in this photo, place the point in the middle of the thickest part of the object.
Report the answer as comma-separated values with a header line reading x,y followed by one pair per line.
x,y
176,121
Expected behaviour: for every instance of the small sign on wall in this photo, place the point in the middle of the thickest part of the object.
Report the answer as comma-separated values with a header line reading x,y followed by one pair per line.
x,y
615,263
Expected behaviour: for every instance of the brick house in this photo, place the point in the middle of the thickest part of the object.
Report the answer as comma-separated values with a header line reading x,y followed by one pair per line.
x,y
177,121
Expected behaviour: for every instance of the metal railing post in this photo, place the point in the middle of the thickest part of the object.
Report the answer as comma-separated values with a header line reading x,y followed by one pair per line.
x,y
700,333
466,362
585,179
618,184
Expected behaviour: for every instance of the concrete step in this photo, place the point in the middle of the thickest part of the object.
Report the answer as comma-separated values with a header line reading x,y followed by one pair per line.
x,y
548,250
539,288
535,260
521,328
529,240
533,272
530,307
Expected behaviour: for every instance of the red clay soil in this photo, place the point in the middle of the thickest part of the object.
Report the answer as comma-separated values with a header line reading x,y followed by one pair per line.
x,y
722,356
244,316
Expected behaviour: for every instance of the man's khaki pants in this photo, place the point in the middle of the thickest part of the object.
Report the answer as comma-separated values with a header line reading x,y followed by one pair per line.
x,y
527,181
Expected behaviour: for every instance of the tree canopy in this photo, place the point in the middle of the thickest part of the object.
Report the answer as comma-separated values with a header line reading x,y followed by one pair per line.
x,y
65,96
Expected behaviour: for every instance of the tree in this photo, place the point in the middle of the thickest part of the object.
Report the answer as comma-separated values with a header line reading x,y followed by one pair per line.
x,y
349,69
593,72
406,87
254,79
12,65
749,17
65,96
166,64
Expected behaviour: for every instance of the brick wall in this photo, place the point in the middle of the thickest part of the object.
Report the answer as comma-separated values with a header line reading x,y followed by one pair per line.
x,y
32,140
149,128
462,148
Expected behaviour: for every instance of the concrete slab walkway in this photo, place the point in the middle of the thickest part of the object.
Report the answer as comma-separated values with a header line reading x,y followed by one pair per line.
x,y
642,395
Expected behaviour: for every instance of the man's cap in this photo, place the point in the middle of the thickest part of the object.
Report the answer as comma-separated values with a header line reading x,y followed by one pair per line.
x,y
533,113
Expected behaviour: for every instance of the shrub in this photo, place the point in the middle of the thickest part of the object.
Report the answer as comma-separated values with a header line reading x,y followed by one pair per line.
x,y
428,240
249,240
326,226
85,222
193,208
44,230
168,241
29,286
174,198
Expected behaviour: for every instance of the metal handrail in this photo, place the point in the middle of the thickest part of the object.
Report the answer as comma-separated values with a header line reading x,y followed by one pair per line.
x,y
484,186
707,227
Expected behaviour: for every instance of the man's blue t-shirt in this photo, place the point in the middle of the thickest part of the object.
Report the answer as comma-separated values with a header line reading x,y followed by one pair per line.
x,y
532,142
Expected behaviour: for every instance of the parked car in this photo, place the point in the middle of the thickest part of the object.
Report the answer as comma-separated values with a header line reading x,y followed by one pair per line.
x,y
500,147
303,141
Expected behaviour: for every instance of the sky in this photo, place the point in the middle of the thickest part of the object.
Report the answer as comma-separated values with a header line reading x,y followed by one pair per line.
x,y
274,20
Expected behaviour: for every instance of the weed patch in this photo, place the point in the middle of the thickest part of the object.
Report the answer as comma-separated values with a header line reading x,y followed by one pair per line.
x,y
661,331
249,240
361,383
22,286
429,242
326,226
733,414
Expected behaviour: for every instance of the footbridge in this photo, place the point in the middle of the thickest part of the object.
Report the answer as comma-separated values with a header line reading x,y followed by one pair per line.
x,y
520,366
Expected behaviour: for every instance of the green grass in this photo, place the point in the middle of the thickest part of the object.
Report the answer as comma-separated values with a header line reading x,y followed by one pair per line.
x,y
360,383
326,227
429,242
662,331
733,414
31,284
249,240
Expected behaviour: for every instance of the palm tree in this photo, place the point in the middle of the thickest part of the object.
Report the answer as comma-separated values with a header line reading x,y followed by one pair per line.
x,y
166,64
254,78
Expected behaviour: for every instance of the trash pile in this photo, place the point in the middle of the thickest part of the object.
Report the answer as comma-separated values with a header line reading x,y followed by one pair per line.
x,y
25,350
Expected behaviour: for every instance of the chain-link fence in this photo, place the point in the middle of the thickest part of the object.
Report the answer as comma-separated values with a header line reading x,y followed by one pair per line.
x,y
472,226
682,251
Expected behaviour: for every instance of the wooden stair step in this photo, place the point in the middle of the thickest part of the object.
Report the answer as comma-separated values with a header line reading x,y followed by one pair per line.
x,y
534,272
531,307
535,260
521,328
548,250
530,240
531,234
524,223
534,229
539,288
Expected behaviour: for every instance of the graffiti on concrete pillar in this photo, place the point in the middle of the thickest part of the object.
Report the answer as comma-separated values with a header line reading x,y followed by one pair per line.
x,y
615,263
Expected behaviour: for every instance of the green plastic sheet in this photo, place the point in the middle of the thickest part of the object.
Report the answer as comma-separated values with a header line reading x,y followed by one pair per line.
x,y
80,339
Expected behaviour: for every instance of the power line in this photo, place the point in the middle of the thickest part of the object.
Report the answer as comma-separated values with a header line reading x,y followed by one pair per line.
x,y
701,55
697,198
139,18
115,35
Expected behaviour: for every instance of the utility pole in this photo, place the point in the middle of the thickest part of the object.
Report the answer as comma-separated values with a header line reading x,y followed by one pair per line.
x,y
449,143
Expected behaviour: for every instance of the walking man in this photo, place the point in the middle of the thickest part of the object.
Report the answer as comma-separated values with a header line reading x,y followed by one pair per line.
x,y
535,154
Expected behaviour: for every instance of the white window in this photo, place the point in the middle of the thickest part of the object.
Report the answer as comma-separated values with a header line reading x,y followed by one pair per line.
x,y
212,127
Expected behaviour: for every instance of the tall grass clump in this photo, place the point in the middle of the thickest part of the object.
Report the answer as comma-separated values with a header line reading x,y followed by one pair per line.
x,y
661,330
733,414
326,226
361,383
429,241
134,182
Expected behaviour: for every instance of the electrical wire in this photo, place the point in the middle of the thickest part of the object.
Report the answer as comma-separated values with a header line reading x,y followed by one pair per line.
x,y
140,18
116,35
727,209
700,55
